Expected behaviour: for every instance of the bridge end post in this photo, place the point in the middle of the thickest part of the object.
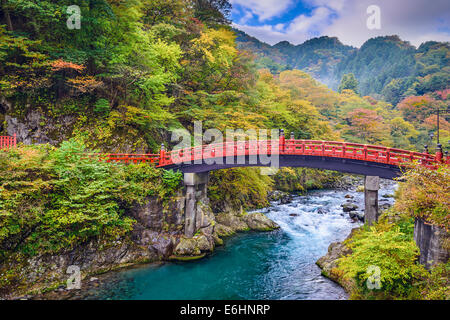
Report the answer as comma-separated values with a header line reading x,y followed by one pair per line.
x,y
162,154
439,154
282,141
195,183
371,187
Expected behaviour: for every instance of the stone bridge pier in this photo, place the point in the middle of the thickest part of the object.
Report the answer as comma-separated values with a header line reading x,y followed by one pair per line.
x,y
196,186
371,187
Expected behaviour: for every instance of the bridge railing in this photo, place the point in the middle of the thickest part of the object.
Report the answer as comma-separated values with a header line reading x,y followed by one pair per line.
x,y
356,151
334,149
126,158
297,147
7,142
219,150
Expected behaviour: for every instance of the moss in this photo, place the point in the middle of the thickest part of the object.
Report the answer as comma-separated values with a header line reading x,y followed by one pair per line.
x,y
187,258
217,240
325,274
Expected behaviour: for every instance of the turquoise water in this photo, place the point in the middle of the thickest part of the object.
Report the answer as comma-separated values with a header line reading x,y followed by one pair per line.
x,y
272,265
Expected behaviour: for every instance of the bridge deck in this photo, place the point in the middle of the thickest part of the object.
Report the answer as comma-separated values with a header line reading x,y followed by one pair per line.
x,y
331,155
339,156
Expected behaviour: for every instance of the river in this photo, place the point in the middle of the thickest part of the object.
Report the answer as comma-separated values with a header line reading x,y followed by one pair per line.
x,y
271,265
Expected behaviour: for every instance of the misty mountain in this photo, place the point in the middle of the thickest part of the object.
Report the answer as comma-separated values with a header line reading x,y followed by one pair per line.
x,y
385,67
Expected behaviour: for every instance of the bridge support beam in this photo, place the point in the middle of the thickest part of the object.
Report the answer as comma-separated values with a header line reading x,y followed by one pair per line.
x,y
371,187
196,183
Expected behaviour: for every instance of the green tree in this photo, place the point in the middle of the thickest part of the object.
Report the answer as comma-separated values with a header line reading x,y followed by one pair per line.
x,y
348,82
212,12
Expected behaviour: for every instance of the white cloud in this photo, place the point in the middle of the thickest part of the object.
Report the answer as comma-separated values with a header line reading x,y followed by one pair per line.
x,y
264,9
336,5
416,21
413,20
247,16
297,31
265,33
307,24
279,26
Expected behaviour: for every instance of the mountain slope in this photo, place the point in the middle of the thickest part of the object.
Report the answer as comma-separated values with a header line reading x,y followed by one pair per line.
x,y
318,56
386,67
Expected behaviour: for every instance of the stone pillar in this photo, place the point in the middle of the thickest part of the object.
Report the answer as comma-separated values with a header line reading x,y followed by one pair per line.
x,y
193,182
190,212
371,187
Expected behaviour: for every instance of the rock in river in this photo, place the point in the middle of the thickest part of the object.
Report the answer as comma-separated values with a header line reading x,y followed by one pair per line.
x,y
348,207
258,221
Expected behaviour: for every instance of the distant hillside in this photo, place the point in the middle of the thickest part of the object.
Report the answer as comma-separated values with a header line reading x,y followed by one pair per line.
x,y
385,67
318,57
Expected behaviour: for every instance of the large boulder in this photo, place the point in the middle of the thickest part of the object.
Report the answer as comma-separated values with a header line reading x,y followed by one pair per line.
x,y
158,216
205,219
280,196
194,246
205,243
223,230
360,216
433,243
258,221
187,247
234,222
348,207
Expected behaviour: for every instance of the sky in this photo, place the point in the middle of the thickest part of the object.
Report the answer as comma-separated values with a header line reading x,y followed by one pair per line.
x,y
296,21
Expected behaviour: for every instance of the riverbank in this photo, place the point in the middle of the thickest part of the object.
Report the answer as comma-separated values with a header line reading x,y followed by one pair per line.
x,y
226,226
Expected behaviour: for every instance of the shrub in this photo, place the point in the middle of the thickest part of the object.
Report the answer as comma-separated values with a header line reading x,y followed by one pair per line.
x,y
436,286
172,180
425,194
238,187
102,107
394,252
53,199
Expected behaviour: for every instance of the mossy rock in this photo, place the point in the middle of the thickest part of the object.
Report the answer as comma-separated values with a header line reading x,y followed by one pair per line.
x,y
194,246
187,258
236,223
187,247
217,240
223,231
259,222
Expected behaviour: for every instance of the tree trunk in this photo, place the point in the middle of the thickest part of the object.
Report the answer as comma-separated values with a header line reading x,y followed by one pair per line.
x,y
7,16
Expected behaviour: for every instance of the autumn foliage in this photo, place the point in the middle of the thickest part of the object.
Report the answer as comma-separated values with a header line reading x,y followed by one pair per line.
x,y
425,194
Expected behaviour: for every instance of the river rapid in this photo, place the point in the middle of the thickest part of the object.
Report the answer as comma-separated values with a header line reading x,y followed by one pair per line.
x,y
270,265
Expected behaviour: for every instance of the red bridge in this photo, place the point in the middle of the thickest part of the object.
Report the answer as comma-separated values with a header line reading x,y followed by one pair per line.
x,y
331,155
8,142
196,162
